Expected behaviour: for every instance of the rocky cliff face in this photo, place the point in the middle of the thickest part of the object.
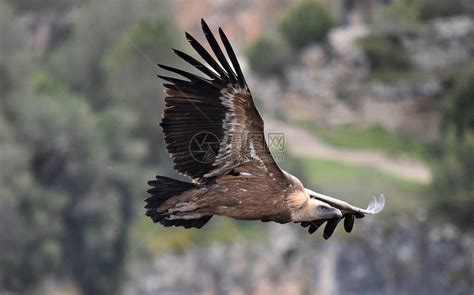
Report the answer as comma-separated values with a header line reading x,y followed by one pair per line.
x,y
443,43
331,85
395,256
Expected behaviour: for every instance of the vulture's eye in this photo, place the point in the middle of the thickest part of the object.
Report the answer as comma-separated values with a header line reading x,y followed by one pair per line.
x,y
323,208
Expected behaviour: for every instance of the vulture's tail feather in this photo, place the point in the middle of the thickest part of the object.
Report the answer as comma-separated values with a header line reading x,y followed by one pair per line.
x,y
163,188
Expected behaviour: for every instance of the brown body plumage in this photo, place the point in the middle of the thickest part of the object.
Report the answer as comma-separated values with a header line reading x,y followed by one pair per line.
x,y
237,175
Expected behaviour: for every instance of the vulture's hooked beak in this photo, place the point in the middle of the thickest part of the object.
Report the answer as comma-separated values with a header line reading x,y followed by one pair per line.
x,y
336,213
332,213
326,211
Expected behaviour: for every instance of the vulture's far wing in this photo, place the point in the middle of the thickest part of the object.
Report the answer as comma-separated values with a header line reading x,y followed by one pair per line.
x,y
349,212
211,124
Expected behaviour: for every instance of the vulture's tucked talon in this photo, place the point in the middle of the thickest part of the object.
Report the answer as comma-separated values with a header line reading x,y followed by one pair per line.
x,y
359,215
330,227
314,225
348,222
305,223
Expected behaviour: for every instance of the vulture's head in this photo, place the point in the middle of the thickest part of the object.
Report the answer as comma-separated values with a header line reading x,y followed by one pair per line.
x,y
324,211
306,206
311,209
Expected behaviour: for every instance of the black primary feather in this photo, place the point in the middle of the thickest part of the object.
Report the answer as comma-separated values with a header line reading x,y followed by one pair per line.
x,y
232,57
193,105
192,61
190,76
217,50
206,56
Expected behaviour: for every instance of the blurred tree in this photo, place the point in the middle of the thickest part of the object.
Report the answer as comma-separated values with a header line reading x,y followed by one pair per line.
x,y
385,53
268,55
27,232
119,80
5,80
39,192
77,194
97,26
45,5
400,9
11,48
429,9
306,23
459,111
27,245
76,145
424,10
132,61
453,185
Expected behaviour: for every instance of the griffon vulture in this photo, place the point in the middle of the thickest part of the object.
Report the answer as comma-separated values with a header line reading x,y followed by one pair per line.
x,y
214,135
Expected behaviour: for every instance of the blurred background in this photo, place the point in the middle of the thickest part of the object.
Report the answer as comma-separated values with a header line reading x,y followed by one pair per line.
x,y
372,96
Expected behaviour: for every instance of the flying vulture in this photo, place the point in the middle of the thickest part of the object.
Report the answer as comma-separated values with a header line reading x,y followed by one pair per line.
x,y
215,136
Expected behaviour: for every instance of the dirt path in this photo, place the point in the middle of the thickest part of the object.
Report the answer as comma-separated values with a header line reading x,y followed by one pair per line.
x,y
302,143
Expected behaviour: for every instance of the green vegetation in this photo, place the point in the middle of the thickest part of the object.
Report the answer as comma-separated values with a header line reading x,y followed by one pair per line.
x,y
5,80
413,11
268,55
76,147
132,61
369,138
157,239
385,53
453,185
356,184
306,23
402,12
33,5
429,9
411,75
459,110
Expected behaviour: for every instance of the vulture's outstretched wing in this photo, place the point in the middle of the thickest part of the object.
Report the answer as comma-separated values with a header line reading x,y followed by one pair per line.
x,y
349,211
211,124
